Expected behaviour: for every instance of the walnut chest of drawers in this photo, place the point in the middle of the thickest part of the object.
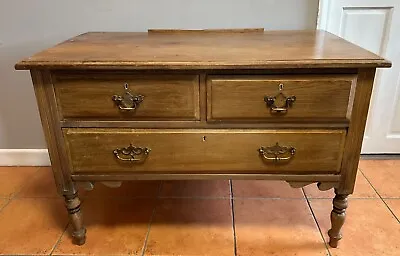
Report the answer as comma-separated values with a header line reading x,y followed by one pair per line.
x,y
228,104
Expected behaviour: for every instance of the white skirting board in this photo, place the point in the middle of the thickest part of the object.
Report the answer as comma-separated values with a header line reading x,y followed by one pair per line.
x,y
24,157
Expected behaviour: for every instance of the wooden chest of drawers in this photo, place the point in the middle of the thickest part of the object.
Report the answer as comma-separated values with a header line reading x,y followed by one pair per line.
x,y
204,105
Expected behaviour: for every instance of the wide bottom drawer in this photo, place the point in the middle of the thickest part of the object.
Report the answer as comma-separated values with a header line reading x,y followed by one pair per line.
x,y
204,151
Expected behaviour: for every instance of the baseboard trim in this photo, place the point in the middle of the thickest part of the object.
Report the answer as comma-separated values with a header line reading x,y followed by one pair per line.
x,y
24,157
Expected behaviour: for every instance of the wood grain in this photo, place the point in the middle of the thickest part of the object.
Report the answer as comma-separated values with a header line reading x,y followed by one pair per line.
x,y
204,151
205,176
205,125
73,205
356,130
202,31
165,96
52,131
338,216
242,97
189,51
204,115
299,184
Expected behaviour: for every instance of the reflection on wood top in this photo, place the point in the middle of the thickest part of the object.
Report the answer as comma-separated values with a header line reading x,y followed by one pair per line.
x,y
138,50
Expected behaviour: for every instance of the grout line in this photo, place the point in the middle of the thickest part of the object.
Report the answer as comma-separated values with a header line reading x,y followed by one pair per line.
x,y
14,195
107,197
316,222
25,184
36,254
8,200
267,198
350,197
233,217
38,197
195,197
65,229
387,206
59,239
151,219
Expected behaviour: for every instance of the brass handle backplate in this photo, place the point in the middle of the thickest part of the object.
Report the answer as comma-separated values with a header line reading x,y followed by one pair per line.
x,y
127,101
282,108
277,153
132,154
279,104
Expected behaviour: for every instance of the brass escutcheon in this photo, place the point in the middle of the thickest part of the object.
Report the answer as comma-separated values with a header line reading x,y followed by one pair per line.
x,y
127,101
279,103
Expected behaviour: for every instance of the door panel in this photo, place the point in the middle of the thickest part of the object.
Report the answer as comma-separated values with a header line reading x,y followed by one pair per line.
x,y
373,25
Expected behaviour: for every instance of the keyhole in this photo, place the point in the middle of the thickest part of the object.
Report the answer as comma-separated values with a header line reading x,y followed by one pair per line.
x,y
126,86
280,87
204,138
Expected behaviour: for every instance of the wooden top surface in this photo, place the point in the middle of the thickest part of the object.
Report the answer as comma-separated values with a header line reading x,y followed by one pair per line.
x,y
141,50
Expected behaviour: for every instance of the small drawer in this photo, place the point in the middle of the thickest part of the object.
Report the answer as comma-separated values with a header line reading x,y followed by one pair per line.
x,y
280,98
204,151
127,97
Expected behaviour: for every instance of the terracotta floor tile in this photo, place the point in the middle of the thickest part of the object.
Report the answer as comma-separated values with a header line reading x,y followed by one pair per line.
x,y
383,175
41,184
264,188
12,179
370,228
192,227
195,188
31,225
276,227
394,205
362,190
143,188
114,226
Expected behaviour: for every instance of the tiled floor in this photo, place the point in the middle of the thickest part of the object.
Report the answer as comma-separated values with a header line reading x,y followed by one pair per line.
x,y
200,217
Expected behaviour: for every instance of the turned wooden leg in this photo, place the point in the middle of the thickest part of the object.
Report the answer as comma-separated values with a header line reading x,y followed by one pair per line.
x,y
338,216
73,205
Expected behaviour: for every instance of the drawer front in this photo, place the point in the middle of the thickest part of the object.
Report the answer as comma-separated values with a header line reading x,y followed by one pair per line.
x,y
280,98
124,97
204,151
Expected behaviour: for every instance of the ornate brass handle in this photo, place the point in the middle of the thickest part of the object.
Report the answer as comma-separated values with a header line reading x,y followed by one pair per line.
x,y
132,154
128,101
277,153
283,108
279,104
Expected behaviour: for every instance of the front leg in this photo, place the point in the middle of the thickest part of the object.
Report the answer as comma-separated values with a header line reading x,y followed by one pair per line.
x,y
338,216
73,205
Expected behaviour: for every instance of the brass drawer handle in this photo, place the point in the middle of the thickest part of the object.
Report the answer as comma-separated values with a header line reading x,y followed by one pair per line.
x,y
282,109
128,101
132,154
279,104
277,153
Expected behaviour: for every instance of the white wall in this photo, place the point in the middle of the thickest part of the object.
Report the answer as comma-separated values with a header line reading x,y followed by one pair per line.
x,y
28,26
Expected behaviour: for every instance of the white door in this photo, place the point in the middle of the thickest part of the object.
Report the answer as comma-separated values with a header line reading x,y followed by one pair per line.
x,y
375,26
